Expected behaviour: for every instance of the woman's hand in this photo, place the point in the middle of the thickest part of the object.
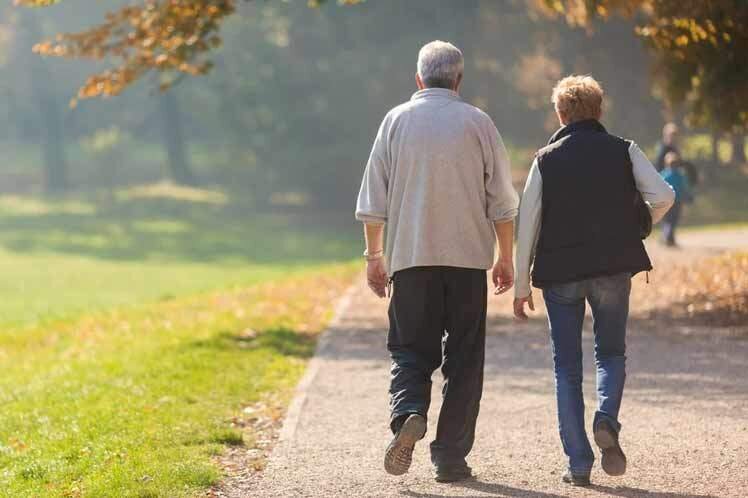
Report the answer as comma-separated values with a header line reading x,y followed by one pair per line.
x,y
519,306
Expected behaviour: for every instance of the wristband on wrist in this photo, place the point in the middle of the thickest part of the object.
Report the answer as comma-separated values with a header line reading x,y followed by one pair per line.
x,y
374,255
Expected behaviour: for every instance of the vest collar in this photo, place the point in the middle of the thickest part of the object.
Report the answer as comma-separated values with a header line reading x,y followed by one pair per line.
x,y
583,125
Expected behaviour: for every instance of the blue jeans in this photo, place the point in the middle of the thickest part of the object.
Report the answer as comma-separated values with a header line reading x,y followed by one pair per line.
x,y
609,300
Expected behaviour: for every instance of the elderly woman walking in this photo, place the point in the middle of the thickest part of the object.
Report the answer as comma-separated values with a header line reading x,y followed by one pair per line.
x,y
580,233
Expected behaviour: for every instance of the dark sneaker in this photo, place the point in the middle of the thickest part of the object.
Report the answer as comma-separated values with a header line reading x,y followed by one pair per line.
x,y
576,480
613,461
453,473
399,453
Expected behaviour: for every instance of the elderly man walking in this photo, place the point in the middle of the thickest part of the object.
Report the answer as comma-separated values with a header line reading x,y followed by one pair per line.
x,y
438,176
580,231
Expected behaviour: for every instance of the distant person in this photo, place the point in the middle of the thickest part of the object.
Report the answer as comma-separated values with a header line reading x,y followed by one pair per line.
x,y
669,143
675,175
439,176
580,233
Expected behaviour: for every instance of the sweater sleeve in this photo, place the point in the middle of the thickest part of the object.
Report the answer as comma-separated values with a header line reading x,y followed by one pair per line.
x,y
501,198
655,191
529,230
371,206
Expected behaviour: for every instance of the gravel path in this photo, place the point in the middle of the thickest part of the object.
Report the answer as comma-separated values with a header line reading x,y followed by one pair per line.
x,y
734,238
685,414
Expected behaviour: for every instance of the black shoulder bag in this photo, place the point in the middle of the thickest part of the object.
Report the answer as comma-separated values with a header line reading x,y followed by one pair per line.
x,y
643,216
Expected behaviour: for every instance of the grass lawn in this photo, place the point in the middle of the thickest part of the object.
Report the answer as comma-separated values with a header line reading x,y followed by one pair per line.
x,y
134,330
62,258
723,201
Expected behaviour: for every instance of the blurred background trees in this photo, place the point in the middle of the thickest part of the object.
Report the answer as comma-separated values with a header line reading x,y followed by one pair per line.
x,y
289,97
699,50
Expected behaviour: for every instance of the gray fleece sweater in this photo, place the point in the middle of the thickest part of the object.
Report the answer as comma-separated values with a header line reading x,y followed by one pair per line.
x,y
439,176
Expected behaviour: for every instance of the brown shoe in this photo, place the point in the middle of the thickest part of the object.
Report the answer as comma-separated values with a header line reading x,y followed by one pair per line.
x,y
576,480
445,474
614,460
399,453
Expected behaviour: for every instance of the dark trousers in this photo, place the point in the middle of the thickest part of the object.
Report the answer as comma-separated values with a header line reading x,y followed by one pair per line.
x,y
670,223
438,317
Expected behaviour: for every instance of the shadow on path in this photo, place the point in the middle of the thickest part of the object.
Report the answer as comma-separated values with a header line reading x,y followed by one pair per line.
x,y
628,492
501,490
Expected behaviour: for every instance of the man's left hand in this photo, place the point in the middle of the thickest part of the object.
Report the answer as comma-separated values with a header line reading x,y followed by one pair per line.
x,y
503,276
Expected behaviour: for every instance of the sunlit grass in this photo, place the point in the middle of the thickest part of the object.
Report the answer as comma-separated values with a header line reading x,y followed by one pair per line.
x,y
19,205
64,257
47,286
722,200
135,403
133,328
168,190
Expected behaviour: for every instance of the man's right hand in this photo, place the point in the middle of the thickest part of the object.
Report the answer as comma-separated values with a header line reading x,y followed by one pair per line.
x,y
503,276
376,276
519,306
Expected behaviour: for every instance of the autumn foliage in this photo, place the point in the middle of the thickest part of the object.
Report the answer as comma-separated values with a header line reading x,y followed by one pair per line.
x,y
171,37
699,48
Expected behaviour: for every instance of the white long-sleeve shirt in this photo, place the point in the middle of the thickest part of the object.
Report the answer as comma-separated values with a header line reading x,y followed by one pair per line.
x,y
439,176
658,195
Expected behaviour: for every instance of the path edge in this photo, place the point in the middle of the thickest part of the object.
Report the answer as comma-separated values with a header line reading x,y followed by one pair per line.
x,y
293,413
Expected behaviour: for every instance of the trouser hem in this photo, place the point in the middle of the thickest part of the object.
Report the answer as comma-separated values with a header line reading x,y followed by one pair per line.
x,y
397,418
614,423
581,472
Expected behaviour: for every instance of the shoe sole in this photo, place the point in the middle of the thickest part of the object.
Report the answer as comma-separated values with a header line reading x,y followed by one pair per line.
x,y
578,484
613,460
447,480
413,429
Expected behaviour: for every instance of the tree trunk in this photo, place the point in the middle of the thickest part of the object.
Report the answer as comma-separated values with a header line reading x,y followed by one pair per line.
x,y
179,166
55,164
715,148
50,116
738,149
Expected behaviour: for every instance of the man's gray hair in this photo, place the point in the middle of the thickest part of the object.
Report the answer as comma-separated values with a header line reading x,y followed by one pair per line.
x,y
440,65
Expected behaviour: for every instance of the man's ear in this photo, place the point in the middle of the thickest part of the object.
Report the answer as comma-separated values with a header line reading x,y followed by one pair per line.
x,y
419,82
459,82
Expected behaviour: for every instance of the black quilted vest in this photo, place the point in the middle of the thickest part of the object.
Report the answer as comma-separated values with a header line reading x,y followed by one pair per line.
x,y
589,225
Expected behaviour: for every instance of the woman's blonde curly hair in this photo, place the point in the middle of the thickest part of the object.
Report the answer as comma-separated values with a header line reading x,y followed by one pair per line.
x,y
578,97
